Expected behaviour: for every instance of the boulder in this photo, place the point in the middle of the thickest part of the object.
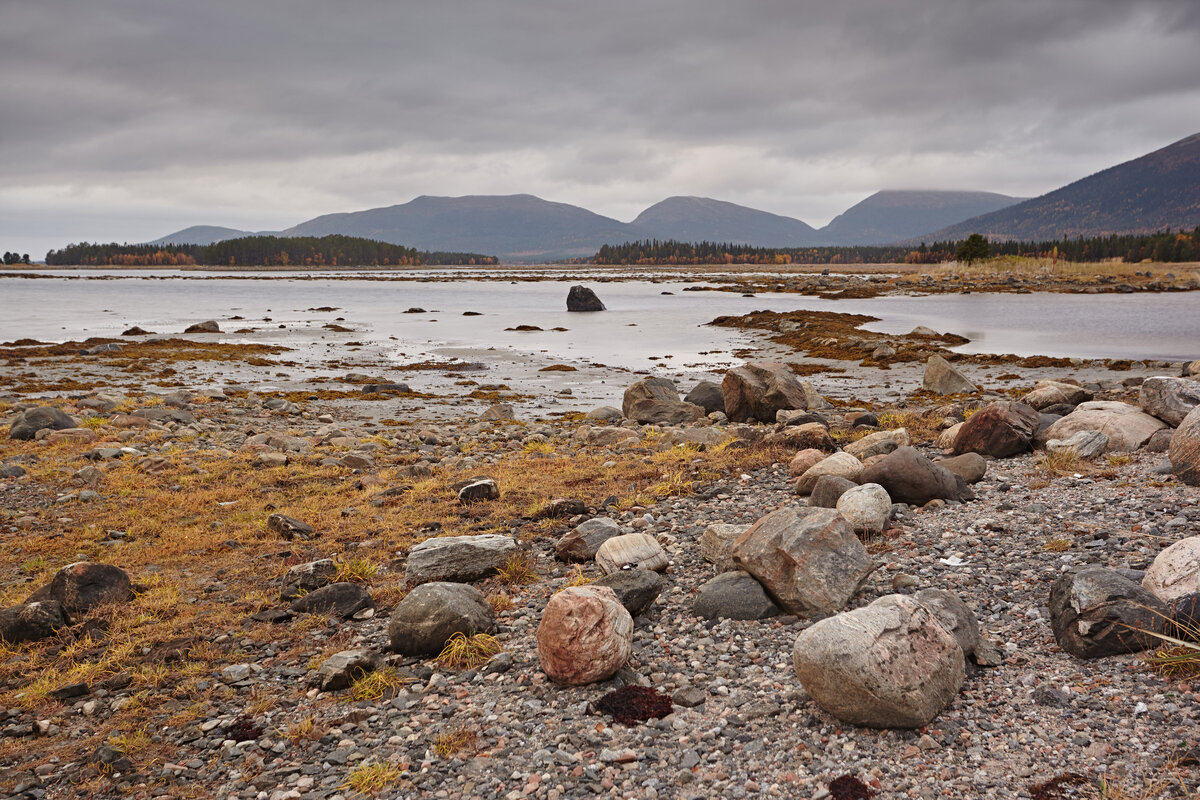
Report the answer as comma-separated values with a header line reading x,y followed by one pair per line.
x,y
942,378
1127,427
1052,393
716,544
28,423
581,298
804,460
649,389
704,437
1001,429
631,551
79,435
758,390
828,490
458,558
954,615
604,414
340,670
707,395
945,440
430,614
1191,369
888,665
304,578
31,622
909,477
585,635
1169,399
479,491
733,595
498,412
1184,451
609,436
1096,612
1175,571
808,559
813,398
636,589
1083,444
809,436
655,401
842,465
561,508
82,586
879,443
971,467
581,543
343,599
1185,617
866,508
208,326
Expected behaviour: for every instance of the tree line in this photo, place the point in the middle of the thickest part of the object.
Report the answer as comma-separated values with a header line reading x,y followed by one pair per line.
x,y
260,251
16,258
1165,246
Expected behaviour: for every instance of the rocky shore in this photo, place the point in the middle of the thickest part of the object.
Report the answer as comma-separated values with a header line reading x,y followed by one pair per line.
x,y
227,593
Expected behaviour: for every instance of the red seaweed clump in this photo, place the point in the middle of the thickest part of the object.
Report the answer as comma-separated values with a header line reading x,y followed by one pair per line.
x,y
849,787
244,729
631,704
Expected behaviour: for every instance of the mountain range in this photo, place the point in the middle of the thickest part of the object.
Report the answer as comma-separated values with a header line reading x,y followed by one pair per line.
x,y
1156,191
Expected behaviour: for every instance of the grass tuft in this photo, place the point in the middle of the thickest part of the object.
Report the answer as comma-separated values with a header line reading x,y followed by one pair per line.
x,y
373,777
455,741
377,685
468,652
518,570
356,570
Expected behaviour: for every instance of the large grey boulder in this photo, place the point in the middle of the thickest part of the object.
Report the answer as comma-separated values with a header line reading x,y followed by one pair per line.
x,y
808,559
82,586
430,614
1096,612
888,665
1169,399
942,378
1082,444
631,551
1127,427
733,595
1053,393
655,401
866,508
971,467
841,465
909,477
759,390
636,589
28,423
707,395
458,558
1184,451
582,542
828,490
344,599
581,298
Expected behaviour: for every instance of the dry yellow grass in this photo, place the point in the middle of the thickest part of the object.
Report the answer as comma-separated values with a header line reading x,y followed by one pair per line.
x,y
455,741
468,652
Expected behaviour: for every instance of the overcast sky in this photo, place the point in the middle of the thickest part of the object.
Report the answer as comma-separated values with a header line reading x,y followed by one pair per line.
x,y
128,120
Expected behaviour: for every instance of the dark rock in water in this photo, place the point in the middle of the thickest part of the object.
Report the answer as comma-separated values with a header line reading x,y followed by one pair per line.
x,y
414,310
108,347
30,422
136,331
581,298
707,395
31,622
379,388
828,490
734,595
208,326
1096,612
635,588
430,614
343,599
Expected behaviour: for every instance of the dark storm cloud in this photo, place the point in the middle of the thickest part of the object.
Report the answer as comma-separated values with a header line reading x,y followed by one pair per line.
x,y
263,113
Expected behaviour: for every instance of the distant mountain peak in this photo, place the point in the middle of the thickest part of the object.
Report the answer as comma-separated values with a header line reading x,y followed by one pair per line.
x,y
893,215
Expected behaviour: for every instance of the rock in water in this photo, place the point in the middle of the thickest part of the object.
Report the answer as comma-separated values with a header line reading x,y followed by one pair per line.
x,y
208,326
581,298
759,390
1096,612
942,378
889,665
1184,451
910,477
1169,399
1175,571
430,614
585,635
458,558
1000,430
808,559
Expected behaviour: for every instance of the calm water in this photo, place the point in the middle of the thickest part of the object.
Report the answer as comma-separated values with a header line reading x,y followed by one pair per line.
x,y
641,322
